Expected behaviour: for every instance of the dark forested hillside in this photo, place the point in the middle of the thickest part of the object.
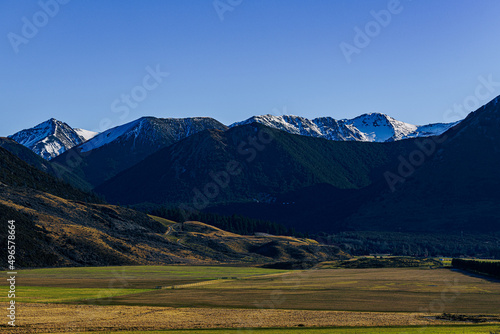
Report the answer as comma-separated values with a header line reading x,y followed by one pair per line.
x,y
454,188
246,163
17,173
34,160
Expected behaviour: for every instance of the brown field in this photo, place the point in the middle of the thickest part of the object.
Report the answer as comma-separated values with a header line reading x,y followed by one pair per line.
x,y
371,290
54,318
66,299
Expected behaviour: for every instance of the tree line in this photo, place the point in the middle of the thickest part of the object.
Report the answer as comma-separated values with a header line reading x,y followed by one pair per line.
x,y
234,223
453,245
489,268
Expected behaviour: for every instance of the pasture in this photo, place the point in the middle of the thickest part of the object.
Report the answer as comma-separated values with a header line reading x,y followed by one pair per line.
x,y
133,277
220,299
369,290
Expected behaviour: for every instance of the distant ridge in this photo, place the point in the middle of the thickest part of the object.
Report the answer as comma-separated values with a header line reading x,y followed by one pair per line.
x,y
371,127
52,138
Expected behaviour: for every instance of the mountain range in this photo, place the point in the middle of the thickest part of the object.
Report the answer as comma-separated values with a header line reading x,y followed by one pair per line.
x,y
437,183
371,173
52,138
87,159
372,127
215,166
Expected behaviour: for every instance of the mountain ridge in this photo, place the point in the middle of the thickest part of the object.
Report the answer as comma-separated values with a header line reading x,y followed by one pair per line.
x,y
52,137
119,148
369,127
62,226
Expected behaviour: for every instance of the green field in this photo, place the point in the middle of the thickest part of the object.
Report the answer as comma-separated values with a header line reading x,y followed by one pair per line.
x,y
41,294
63,285
132,277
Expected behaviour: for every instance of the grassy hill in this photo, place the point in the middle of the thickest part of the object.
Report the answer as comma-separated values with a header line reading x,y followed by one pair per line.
x,y
226,246
57,232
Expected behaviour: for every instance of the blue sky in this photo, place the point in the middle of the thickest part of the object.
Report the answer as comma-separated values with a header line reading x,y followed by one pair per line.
x,y
265,56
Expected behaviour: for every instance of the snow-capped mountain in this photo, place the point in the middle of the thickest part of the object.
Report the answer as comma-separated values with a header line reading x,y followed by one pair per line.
x,y
152,131
121,147
372,127
51,138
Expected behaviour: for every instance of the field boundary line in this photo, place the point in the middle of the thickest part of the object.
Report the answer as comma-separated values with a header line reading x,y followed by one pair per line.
x,y
220,280
189,285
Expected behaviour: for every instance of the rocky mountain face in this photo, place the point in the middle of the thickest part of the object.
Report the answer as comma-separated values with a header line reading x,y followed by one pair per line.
x,y
372,127
151,131
51,138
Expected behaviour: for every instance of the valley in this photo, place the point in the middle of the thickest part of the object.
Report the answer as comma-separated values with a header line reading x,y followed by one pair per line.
x,y
180,225
250,167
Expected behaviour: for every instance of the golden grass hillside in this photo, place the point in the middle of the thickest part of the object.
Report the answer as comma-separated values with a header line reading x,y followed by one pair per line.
x,y
59,232
226,246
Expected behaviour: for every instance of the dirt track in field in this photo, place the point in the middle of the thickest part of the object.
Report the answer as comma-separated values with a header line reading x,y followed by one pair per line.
x,y
60,318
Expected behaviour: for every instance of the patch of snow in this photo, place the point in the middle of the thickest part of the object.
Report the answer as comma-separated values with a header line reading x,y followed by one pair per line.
x,y
107,136
432,129
85,134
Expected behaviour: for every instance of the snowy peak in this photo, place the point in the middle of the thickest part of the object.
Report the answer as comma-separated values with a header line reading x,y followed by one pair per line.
x,y
371,127
152,132
289,123
51,138
377,127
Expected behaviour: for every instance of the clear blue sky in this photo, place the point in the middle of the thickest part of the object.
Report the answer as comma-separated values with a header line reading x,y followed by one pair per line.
x,y
266,56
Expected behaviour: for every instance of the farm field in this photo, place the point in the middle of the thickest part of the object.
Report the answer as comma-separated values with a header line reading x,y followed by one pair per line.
x,y
133,277
370,290
345,330
219,297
